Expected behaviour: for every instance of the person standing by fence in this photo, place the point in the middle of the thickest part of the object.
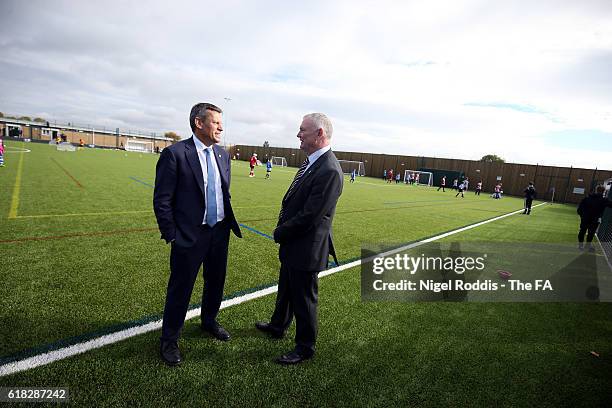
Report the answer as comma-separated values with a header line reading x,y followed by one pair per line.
x,y
590,210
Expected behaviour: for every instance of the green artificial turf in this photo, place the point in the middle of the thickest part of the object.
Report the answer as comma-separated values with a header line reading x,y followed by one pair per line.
x,y
85,257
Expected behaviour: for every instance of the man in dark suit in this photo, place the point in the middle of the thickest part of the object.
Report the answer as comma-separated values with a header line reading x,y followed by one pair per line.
x,y
194,214
591,209
304,234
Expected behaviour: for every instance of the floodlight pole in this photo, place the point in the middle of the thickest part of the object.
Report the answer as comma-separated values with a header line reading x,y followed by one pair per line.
x,y
226,126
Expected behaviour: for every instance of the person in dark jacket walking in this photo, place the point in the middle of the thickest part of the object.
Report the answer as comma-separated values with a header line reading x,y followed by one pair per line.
x,y
590,210
530,194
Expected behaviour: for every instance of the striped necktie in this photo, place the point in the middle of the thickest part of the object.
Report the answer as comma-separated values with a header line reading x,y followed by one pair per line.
x,y
295,182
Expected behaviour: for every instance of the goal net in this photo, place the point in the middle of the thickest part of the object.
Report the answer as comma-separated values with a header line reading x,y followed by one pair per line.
x,y
604,232
422,177
348,166
278,161
139,146
66,147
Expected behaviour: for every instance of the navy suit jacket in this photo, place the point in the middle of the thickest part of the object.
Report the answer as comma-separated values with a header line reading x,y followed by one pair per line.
x,y
304,231
179,196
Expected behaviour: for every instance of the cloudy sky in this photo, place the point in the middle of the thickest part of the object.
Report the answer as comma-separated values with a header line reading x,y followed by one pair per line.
x,y
528,80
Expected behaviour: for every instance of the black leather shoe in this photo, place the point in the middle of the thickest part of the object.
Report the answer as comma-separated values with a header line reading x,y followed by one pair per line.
x,y
170,353
217,331
270,330
293,357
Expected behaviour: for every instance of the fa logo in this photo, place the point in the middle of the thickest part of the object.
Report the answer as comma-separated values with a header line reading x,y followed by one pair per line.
x,y
543,285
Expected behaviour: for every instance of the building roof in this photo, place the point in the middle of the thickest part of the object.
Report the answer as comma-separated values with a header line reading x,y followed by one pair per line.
x,y
83,129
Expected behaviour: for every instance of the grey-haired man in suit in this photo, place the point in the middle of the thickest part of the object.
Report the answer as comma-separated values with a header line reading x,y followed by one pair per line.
x,y
304,234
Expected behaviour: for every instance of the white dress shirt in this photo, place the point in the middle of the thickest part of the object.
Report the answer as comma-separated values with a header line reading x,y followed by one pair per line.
x,y
314,156
219,194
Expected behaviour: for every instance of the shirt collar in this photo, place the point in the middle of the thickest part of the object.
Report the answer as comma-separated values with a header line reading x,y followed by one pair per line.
x,y
199,145
314,156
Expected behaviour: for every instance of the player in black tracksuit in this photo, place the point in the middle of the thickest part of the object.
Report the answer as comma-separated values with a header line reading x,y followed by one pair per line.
x,y
590,210
530,194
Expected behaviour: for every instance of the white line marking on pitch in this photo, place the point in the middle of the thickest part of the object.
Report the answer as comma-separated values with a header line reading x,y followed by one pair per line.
x,y
21,150
56,355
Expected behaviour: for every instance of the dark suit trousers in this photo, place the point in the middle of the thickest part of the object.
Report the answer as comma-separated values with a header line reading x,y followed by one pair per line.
x,y
298,293
587,226
211,251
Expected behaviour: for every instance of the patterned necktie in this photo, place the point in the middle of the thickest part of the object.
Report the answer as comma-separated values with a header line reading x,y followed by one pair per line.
x,y
211,191
295,182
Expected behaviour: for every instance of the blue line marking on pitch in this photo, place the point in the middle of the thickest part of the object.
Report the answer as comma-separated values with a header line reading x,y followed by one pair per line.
x,y
257,232
141,182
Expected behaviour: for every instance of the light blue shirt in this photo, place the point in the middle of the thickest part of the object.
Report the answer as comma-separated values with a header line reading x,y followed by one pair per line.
x,y
219,194
314,156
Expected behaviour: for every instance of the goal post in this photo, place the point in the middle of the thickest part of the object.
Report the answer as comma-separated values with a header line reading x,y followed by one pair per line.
x,y
278,161
425,178
138,146
349,165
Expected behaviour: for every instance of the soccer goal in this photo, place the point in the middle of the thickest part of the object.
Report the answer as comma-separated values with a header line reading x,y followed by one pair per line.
x,y
66,147
278,161
139,146
348,166
425,177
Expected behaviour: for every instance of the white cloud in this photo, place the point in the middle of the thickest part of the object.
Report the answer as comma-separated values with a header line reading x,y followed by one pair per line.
x,y
394,76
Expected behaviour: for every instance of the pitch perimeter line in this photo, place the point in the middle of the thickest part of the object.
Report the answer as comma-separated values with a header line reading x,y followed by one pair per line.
x,y
85,214
70,351
67,173
248,206
140,181
106,233
22,150
77,235
431,204
16,189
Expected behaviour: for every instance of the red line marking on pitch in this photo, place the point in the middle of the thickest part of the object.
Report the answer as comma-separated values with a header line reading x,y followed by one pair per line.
x,y
78,234
68,174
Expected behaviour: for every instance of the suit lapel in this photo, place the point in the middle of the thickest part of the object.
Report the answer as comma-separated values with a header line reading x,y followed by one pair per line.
x,y
220,164
194,162
310,170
